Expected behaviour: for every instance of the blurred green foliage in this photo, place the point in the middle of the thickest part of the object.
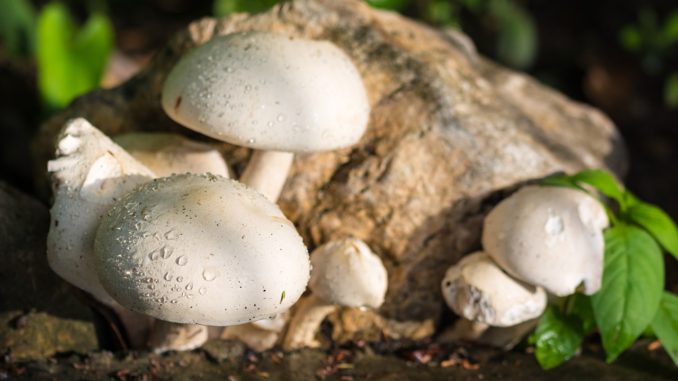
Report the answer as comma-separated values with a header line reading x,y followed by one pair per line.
x,y
394,5
71,59
17,26
655,43
227,7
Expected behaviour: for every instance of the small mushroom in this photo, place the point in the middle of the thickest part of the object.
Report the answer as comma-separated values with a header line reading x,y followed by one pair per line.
x,y
270,92
345,273
485,296
89,174
550,237
260,335
166,154
478,290
200,249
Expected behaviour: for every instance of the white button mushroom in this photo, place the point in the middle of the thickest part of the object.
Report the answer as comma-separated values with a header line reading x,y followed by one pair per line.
x,y
167,154
478,290
89,173
200,249
345,273
548,236
269,92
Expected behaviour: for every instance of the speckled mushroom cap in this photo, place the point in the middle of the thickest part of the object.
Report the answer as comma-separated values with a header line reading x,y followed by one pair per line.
x,y
346,272
550,237
167,154
88,175
478,290
270,92
200,249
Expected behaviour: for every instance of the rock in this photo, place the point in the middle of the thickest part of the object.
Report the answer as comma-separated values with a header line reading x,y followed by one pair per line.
x,y
39,314
448,131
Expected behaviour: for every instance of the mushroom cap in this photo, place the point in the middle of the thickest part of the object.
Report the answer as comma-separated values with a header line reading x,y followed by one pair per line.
x,y
548,236
166,154
200,249
270,92
89,173
348,273
478,290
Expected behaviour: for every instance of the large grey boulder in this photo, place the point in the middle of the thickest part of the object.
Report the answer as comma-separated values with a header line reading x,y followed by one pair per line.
x,y
448,130
39,313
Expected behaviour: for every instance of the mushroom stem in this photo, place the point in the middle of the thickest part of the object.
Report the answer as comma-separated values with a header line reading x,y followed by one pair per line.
x,y
267,172
499,337
307,318
167,336
137,326
465,330
254,337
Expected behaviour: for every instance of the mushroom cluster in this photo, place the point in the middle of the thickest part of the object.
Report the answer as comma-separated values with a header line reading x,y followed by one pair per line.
x,y
538,240
153,227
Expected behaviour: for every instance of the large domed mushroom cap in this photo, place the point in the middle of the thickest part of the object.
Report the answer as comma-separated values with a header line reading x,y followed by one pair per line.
x,y
550,237
269,92
200,249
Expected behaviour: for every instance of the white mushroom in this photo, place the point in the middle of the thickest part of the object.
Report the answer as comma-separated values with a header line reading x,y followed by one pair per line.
x,y
200,249
485,297
259,335
478,290
548,236
274,93
89,174
345,273
166,154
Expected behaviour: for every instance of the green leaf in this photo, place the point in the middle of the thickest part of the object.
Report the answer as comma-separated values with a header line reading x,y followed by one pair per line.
x,y
604,182
670,30
580,307
665,324
557,338
658,223
71,61
633,279
226,7
395,5
517,34
17,26
631,38
560,181
671,90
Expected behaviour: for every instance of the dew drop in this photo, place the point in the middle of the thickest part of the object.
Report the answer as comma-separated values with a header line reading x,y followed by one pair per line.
x,y
154,255
181,261
189,286
180,279
202,290
168,276
166,252
210,274
171,235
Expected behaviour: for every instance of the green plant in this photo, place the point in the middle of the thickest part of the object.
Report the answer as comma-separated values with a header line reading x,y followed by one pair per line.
x,y
655,42
71,60
631,298
226,7
17,27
